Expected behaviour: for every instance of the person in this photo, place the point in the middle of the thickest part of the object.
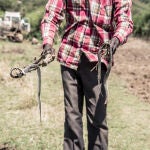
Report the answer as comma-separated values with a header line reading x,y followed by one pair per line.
x,y
89,24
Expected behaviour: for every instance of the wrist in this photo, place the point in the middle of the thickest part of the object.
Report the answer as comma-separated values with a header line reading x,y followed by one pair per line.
x,y
47,46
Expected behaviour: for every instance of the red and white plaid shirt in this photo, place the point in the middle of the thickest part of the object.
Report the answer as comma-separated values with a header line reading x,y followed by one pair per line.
x,y
89,23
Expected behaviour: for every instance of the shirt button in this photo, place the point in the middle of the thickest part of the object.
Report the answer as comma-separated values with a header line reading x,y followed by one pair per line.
x,y
85,23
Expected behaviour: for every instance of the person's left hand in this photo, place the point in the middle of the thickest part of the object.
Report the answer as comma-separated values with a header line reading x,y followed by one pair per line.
x,y
114,43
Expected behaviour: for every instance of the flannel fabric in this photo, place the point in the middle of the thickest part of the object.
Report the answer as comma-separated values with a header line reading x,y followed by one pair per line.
x,y
89,23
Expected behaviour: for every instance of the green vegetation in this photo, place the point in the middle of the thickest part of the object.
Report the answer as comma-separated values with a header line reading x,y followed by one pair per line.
x,y
128,118
1,13
34,10
141,17
145,1
142,25
35,19
4,5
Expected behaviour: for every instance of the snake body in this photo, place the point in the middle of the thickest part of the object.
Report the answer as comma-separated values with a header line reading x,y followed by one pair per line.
x,y
109,54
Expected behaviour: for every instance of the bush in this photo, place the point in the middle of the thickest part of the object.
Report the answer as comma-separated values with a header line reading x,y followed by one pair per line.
x,y
142,25
145,1
5,5
35,18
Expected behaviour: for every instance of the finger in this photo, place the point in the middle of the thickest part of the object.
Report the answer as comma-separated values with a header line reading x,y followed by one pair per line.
x,y
114,50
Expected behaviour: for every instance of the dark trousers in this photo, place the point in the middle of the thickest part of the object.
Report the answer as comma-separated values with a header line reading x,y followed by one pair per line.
x,y
77,85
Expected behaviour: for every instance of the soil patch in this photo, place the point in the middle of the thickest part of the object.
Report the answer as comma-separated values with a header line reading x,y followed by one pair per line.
x,y
132,64
13,50
6,147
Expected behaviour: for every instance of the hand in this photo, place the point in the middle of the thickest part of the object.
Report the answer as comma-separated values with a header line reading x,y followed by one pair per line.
x,y
114,43
48,54
46,49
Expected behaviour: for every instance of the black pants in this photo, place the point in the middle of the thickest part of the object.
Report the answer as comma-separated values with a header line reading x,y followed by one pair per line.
x,y
77,85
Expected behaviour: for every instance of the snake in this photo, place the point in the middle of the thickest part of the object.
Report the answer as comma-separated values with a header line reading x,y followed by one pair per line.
x,y
18,73
106,47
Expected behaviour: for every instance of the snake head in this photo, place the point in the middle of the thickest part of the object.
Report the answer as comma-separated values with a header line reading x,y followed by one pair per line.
x,y
16,73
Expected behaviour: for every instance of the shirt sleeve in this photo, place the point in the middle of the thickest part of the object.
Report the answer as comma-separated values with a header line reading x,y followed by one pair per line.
x,y
51,20
123,19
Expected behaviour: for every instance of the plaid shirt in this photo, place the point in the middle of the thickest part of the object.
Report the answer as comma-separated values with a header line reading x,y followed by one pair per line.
x,y
89,23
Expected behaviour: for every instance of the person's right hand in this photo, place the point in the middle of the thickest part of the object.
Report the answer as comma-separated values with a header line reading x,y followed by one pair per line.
x,y
48,54
46,49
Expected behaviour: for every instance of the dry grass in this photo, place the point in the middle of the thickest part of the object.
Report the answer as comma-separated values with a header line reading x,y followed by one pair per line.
x,y
19,118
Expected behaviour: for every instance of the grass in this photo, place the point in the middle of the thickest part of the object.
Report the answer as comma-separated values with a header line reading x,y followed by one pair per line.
x,y
128,118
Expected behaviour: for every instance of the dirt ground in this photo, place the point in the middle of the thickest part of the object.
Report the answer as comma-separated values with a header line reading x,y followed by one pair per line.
x,y
5,147
132,64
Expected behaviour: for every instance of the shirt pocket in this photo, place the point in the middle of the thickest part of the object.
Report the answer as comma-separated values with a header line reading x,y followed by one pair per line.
x,y
104,15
